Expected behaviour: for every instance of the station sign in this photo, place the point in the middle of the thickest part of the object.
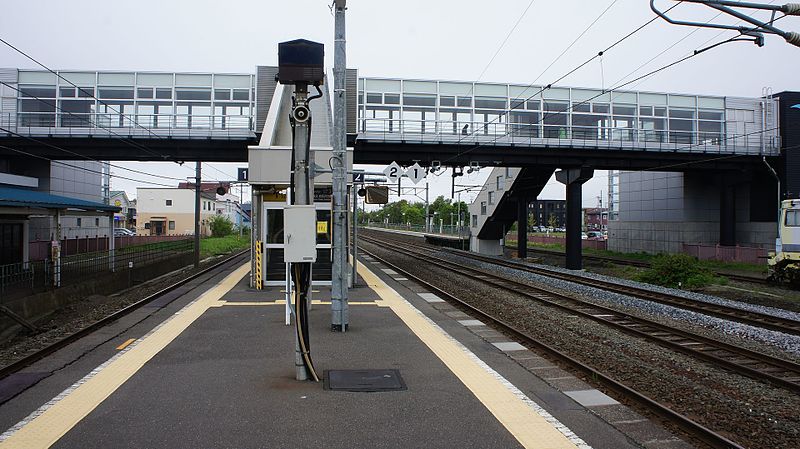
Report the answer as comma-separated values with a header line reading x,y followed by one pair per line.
x,y
416,173
242,173
393,172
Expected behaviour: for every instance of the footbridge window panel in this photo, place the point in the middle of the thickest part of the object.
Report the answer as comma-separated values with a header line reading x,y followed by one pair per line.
x,y
556,119
681,126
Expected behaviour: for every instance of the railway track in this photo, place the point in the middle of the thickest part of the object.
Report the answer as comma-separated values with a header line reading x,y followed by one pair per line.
x,y
696,430
779,324
757,319
44,352
743,361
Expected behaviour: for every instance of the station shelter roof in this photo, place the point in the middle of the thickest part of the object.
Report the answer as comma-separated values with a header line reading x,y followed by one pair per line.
x,y
16,197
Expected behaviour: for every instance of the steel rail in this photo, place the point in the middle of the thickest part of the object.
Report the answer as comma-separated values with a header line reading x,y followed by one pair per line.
x,y
753,364
751,318
696,430
44,352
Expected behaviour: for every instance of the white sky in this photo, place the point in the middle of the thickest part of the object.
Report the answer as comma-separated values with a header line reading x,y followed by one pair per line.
x,y
444,39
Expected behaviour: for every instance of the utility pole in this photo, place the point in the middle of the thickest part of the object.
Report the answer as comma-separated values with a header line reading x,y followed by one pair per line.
x,y
197,179
339,310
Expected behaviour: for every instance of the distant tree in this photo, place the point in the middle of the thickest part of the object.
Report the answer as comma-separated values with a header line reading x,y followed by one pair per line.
x,y
220,226
552,221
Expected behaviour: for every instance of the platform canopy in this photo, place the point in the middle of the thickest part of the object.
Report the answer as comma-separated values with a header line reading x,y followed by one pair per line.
x,y
32,199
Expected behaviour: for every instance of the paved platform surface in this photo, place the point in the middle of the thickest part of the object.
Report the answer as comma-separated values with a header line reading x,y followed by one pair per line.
x,y
214,368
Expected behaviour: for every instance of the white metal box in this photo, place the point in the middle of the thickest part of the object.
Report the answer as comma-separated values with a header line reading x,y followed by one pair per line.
x,y
300,237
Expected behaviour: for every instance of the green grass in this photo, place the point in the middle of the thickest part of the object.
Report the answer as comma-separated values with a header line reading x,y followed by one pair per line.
x,y
712,265
213,246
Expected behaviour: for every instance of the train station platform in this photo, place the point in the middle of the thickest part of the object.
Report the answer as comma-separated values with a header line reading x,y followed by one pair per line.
x,y
214,368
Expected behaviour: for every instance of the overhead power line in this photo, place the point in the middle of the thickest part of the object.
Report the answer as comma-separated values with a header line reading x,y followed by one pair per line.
x,y
617,87
56,147
83,168
575,69
90,95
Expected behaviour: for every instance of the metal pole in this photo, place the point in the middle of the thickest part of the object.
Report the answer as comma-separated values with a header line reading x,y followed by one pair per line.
x,y
339,310
302,194
111,242
197,179
427,206
354,278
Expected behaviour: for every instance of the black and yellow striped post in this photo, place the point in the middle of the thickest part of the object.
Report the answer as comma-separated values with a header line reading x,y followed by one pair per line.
x,y
259,271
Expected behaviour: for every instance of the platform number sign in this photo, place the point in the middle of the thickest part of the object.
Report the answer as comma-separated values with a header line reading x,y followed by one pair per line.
x,y
242,173
416,173
393,172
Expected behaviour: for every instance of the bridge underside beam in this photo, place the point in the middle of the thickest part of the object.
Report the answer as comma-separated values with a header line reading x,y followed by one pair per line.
x,y
376,152
133,149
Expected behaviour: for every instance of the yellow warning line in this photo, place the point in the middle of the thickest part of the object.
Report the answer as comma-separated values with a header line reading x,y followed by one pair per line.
x,y
528,427
52,424
281,302
125,345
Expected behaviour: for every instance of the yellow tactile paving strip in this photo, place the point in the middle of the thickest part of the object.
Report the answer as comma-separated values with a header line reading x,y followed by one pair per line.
x,y
281,302
44,430
530,428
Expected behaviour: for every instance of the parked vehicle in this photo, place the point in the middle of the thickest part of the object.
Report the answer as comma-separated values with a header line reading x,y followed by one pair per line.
x,y
122,232
784,263
594,235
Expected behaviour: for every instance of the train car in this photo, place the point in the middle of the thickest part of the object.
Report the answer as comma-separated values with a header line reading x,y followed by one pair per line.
x,y
784,264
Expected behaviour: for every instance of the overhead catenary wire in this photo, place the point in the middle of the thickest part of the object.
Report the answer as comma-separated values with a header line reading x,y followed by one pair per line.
x,y
502,44
90,95
80,89
79,117
56,147
575,69
695,30
612,89
130,142
83,168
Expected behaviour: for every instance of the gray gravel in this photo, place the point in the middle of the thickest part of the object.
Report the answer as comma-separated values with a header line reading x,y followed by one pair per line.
x,y
786,344
752,413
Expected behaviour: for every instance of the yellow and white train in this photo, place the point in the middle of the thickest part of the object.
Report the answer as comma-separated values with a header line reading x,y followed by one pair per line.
x,y
784,264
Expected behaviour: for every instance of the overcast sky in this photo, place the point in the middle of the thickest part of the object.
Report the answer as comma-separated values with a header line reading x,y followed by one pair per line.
x,y
444,39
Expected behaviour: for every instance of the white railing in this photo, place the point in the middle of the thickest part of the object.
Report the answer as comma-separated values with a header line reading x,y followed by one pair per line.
x,y
108,124
593,137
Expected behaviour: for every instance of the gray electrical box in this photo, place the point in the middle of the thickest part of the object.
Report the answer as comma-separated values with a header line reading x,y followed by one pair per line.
x,y
300,234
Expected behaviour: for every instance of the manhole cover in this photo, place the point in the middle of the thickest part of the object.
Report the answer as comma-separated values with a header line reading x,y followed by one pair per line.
x,y
367,380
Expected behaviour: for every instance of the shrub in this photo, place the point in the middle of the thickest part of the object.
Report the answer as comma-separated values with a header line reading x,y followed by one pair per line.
x,y
220,226
677,271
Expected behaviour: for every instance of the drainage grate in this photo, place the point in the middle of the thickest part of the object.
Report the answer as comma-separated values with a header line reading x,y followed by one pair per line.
x,y
364,380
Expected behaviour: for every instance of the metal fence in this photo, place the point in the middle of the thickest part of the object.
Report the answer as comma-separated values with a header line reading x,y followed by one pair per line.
x,y
44,274
451,230
40,250
742,254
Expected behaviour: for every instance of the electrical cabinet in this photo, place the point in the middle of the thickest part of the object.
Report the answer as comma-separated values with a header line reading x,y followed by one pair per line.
x,y
300,234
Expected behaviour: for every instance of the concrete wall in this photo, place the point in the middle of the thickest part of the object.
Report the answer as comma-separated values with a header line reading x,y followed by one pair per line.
x,y
660,211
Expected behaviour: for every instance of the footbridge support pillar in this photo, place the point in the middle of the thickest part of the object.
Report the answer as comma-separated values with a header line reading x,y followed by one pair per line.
x,y
574,178
727,212
522,226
